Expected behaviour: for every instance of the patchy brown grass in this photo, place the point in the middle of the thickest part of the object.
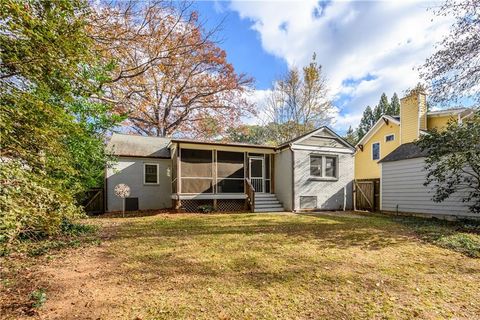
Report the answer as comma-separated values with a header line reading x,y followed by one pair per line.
x,y
248,266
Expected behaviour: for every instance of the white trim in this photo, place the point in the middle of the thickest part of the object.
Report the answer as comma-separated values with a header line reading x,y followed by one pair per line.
x,y
323,149
376,127
442,113
323,175
327,129
390,134
379,151
261,158
201,196
144,173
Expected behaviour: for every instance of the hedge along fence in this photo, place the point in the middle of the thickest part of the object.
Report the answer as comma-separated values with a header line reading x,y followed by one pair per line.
x,y
32,206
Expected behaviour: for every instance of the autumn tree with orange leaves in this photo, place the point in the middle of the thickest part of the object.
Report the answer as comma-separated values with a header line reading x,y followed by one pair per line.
x,y
169,75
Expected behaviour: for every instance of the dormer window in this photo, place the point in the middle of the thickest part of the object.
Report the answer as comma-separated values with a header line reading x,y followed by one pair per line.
x,y
390,137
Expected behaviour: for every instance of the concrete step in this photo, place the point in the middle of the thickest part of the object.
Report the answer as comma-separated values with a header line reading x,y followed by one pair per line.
x,y
273,201
267,202
265,196
268,205
276,209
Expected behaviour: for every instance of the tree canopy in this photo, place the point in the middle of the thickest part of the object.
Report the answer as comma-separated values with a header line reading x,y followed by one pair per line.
x,y
453,71
52,132
170,75
298,103
370,116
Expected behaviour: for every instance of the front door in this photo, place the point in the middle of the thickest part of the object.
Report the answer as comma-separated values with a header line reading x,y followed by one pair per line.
x,y
257,174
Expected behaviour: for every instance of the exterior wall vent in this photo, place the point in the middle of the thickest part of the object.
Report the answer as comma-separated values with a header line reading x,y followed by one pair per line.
x,y
308,202
131,204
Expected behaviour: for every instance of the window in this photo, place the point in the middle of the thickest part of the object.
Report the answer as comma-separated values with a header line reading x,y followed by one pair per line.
x,y
150,173
316,166
330,167
389,137
376,151
323,166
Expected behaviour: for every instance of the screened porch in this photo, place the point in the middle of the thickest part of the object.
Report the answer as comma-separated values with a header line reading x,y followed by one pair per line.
x,y
210,174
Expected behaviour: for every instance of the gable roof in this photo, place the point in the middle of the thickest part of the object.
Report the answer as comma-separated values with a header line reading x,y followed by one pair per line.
x,y
383,120
313,133
405,151
138,146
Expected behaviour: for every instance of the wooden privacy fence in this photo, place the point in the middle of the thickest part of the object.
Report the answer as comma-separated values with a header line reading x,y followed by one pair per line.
x,y
366,195
94,201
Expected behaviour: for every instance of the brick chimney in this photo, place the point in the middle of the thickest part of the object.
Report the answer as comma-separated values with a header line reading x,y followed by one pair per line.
x,y
413,115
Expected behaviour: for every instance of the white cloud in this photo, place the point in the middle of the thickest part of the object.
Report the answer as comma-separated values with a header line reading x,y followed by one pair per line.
x,y
383,39
258,97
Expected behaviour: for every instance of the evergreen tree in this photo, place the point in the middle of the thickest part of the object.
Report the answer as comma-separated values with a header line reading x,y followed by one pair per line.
x,y
366,123
370,117
394,105
383,107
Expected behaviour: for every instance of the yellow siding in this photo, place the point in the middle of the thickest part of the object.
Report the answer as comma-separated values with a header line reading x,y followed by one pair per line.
x,y
409,116
439,123
365,167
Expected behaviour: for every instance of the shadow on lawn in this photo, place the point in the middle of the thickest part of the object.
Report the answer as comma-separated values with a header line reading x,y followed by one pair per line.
x,y
329,232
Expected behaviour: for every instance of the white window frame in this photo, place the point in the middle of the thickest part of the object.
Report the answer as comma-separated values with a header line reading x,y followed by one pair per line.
x,y
145,164
379,150
324,166
388,135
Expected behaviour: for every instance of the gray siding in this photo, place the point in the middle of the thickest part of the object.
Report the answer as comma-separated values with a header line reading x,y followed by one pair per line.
x,y
402,185
283,178
130,171
330,193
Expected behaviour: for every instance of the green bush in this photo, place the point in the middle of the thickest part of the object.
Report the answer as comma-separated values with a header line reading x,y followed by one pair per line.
x,y
206,209
32,206
38,298
468,244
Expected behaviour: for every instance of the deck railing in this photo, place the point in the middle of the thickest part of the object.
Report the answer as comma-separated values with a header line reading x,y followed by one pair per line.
x,y
250,192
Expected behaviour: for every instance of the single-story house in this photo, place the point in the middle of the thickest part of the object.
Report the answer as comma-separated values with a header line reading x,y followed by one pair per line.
x,y
402,191
311,172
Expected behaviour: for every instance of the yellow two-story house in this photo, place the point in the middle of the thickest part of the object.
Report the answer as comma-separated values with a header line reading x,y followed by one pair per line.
x,y
389,132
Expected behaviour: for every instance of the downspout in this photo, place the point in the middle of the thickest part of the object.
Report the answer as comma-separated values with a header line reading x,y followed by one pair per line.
x,y
293,177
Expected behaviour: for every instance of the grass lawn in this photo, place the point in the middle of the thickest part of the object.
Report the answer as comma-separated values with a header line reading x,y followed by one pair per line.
x,y
253,266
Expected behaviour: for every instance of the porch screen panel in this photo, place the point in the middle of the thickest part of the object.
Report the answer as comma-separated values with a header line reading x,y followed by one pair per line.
x,y
196,169
230,172
230,164
196,185
196,163
230,185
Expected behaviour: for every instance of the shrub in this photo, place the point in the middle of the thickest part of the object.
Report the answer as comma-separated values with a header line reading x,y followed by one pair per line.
x,y
206,208
38,298
32,206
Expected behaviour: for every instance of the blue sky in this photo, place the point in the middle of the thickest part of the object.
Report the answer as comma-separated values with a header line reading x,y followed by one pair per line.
x,y
365,47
